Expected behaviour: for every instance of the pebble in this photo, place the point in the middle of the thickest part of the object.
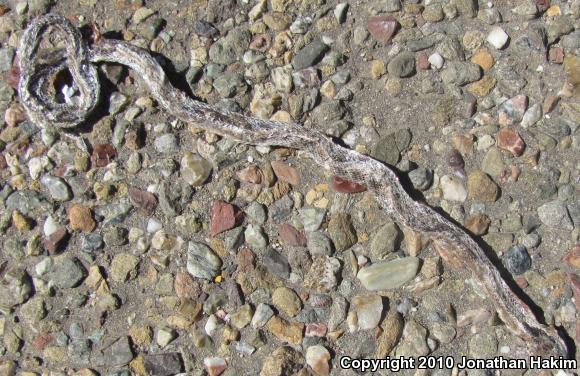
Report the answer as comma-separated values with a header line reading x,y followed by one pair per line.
x,y
283,361
453,188
16,288
194,169
290,236
341,231
319,244
517,260
255,237
286,331
421,178
414,340
555,214
256,213
81,218
481,187
309,55
165,336
382,28
202,262
286,301
387,275
497,37
224,217
460,73
318,358
403,65
276,263
345,186
510,140
387,239
286,173
312,218
262,315
162,364
123,267
478,224
215,366
66,273
436,60
365,312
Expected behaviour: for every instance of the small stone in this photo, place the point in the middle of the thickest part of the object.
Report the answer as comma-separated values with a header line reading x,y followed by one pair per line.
x,y
414,340
482,87
436,60
242,317
392,331
492,163
318,358
382,28
315,330
388,275
123,267
453,188
287,301
224,217
421,178
318,244
365,312
555,214
386,240
283,361
255,237
262,315
165,336
460,73
250,174
556,55
481,187
256,213
81,218
550,103
340,12
215,366
497,37
483,58
202,262
58,188
312,218
341,231
143,200
15,287
531,116
194,169
309,55
290,236
166,143
484,344
163,364
322,275
508,139
103,154
378,69
276,263
286,173
403,65
345,186
517,260
290,332
572,258
478,224
66,273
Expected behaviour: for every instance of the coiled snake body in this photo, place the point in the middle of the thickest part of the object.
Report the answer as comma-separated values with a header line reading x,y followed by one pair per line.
x,y
455,246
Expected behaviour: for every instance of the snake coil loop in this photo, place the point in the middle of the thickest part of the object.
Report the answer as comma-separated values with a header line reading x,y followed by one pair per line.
x,y
37,73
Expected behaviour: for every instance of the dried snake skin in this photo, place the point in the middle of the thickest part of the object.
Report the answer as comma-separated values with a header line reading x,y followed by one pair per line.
x,y
454,245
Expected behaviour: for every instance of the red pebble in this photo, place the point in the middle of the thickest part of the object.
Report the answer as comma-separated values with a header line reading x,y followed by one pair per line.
x,y
315,330
346,186
290,236
103,154
423,61
382,28
510,140
224,217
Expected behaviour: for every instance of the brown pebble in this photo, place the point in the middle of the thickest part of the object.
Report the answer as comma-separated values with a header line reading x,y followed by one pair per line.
x,y
245,260
455,160
143,200
510,140
81,218
522,282
286,173
572,258
550,103
224,216
423,61
315,330
291,236
250,174
40,342
478,224
56,242
186,287
103,154
382,28
346,186
556,55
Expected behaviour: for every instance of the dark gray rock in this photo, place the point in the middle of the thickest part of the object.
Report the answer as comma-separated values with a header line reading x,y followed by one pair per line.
x,y
517,260
309,55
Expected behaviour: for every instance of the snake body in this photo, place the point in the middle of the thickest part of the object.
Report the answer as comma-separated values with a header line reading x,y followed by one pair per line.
x,y
454,245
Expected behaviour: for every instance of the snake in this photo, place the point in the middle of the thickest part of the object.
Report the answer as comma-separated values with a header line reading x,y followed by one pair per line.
x,y
455,246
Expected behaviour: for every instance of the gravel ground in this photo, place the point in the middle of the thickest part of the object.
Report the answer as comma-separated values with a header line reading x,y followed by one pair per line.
x,y
168,250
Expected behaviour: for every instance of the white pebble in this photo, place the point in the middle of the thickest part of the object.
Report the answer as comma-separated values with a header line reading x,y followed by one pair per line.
x,y
211,325
497,37
436,60
153,225
50,226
